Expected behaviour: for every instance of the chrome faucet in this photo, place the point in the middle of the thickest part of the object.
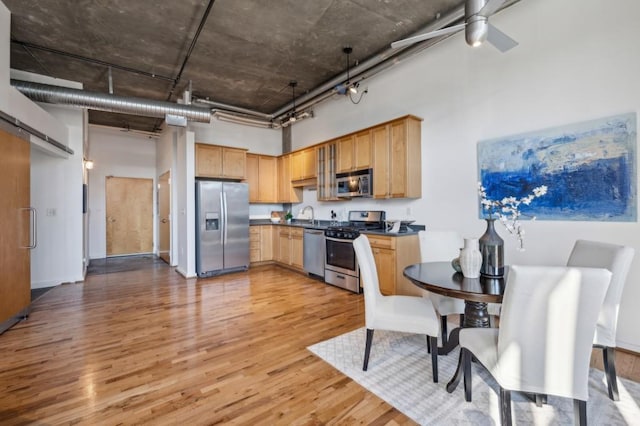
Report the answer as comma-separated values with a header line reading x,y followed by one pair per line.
x,y
312,214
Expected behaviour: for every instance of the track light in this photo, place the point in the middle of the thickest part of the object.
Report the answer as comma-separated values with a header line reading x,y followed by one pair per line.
x,y
297,117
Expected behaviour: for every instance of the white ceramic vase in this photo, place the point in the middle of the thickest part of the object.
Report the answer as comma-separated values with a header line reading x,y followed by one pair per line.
x,y
470,258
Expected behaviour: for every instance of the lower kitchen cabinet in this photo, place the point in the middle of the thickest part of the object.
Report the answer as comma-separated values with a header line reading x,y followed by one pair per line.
x,y
260,243
392,255
289,246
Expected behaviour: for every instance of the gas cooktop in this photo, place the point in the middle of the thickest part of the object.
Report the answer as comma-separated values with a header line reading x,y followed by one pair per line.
x,y
359,220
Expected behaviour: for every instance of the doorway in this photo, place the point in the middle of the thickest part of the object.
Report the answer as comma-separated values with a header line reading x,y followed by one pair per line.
x,y
129,207
164,217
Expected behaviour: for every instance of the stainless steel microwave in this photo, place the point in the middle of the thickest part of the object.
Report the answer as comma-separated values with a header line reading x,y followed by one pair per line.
x,y
355,184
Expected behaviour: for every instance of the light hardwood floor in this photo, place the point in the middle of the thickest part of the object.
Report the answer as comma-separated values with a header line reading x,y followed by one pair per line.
x,y
148,347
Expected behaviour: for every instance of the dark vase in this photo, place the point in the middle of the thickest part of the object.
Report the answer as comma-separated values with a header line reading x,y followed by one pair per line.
x,y
492,250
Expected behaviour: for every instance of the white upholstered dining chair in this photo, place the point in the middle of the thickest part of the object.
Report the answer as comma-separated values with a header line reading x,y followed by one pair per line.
x,y
442,246
543,345
617,259
408,314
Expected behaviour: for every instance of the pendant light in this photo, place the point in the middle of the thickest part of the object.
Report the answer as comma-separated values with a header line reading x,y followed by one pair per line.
x,y
353,89
293,84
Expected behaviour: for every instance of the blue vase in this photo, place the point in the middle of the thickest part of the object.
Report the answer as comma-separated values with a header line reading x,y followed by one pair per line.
x,y
492,250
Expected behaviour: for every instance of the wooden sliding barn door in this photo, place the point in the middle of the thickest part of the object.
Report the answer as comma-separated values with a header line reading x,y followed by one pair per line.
x,y
16,220
129,215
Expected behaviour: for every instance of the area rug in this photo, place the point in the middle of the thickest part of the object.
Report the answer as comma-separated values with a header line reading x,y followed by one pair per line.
x,y
400,373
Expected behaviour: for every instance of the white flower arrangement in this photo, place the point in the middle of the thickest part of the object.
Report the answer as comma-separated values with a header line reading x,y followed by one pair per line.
x,y
508,210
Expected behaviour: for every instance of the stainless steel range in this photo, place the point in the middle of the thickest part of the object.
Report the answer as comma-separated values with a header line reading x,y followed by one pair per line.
x,y
341,267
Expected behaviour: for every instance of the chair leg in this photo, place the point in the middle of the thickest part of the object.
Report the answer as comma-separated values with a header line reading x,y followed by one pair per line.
x,y
541,399
443,326
367,349
466,370
608,357
579,412
505,407
428,345
434,357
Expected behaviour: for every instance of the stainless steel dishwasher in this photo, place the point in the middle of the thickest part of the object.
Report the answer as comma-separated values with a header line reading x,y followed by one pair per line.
x,y
314,252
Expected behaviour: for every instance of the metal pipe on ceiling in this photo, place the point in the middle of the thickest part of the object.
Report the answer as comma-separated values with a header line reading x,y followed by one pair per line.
x,y
379,62
369,64
237,119
110,103
227,107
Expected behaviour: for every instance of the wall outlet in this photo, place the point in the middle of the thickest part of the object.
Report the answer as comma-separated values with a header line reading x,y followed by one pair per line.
x,y
408,211
51,211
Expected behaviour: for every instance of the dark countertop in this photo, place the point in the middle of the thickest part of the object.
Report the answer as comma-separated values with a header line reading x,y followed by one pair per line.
x,y
324,224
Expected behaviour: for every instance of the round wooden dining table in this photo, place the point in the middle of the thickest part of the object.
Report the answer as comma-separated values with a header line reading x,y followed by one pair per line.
x,y
477,293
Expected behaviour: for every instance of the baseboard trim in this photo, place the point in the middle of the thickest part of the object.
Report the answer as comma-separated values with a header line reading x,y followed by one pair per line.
x,y
184,273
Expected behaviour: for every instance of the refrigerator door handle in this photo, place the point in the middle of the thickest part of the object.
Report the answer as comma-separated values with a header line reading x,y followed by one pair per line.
x,y
224,196
223,219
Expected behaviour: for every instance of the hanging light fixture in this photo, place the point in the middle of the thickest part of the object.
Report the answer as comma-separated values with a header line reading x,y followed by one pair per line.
x,y
351,88
293,84
292,115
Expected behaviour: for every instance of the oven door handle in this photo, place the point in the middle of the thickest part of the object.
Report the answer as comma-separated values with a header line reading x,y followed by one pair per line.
x,y
339,240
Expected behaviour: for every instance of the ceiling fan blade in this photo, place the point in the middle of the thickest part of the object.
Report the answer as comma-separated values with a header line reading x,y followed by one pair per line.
x,y
491,7
425,36
500,40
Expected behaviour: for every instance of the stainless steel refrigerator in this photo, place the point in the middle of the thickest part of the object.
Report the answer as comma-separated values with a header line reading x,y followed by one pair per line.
x,y
222,227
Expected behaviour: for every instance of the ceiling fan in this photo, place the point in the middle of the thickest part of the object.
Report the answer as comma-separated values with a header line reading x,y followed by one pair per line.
x,y
476,27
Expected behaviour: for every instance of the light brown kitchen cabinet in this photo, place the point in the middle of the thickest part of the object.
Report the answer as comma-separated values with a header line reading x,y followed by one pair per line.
x,y
214,161
260,243
290,246
326,183
344,161
396,159
17,240
254,244
287,193
303,164
262,178
392,255
354,152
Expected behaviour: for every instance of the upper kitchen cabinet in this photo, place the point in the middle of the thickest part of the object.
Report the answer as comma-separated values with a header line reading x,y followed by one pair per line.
x,y
213,161
354,152
326,184
286,192
303,164
262,177
396,159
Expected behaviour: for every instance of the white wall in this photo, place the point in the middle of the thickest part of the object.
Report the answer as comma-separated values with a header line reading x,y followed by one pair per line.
x,y
256,139
185,215
56,189
121,154
576,61
166,161
56,193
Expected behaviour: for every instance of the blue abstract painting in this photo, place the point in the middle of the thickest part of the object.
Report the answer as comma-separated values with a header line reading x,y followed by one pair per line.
x,y
589,169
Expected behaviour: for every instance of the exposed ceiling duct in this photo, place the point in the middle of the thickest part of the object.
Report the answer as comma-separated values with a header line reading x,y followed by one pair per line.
x,y
111,103
206,108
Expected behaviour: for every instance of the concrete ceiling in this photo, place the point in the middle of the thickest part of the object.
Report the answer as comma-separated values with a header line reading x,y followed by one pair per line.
x,y
245,54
